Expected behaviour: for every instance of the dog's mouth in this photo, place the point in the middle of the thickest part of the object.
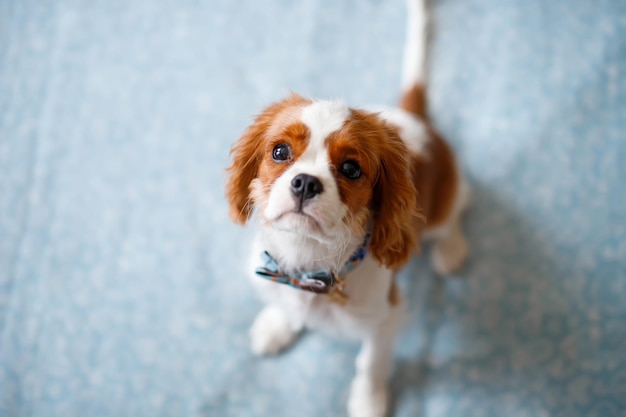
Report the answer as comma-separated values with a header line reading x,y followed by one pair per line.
x,y
298,221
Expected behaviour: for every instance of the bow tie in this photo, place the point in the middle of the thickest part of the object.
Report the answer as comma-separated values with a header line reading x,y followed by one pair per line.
x,y
318,282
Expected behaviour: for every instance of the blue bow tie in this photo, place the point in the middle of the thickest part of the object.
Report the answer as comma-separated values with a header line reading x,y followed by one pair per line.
x,y
319,282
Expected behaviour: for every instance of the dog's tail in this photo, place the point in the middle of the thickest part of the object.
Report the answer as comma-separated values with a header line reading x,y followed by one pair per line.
x,y
415,59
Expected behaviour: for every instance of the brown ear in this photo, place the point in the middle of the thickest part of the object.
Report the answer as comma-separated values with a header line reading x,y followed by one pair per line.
x,y
396,218
247,154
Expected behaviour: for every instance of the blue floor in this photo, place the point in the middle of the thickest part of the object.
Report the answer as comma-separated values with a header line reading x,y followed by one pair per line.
x,y
121,284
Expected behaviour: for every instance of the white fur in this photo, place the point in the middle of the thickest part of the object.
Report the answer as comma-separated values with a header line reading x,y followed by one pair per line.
x,y
272,331
412,131
368,392
414,65
368,316
323,118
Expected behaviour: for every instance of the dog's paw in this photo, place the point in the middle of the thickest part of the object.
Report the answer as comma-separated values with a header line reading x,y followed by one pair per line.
x,y
367,399
271,332
448,254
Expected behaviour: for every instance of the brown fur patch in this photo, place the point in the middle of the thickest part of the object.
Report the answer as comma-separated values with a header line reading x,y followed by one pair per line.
x,y
414,101
393,199
394,294
444,182
247,154
296,136
434,173
385,188
352,144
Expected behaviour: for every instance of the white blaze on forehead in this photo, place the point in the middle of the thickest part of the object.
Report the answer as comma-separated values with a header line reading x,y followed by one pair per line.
x,y
323,118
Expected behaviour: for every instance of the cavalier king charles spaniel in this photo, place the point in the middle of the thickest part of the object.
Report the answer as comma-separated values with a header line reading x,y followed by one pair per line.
x,y
342,197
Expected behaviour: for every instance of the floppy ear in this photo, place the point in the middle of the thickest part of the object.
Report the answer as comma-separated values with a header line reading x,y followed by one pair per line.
x,y
246,156
396,216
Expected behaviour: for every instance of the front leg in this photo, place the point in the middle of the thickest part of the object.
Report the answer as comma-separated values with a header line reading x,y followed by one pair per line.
x,y
369,393
272,331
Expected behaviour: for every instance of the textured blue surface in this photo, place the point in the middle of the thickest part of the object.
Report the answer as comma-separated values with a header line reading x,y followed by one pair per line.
x,y
121,290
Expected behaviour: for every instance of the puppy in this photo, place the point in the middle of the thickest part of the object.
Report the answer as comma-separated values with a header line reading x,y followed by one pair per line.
x,y
342,198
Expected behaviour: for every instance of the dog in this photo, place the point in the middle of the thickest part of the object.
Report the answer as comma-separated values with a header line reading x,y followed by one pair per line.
x,y
342,198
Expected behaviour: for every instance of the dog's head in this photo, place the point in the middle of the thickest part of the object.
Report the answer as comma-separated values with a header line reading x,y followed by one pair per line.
x,y
324,171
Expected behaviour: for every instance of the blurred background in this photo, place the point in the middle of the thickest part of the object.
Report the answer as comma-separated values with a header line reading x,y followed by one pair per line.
x,y
122,291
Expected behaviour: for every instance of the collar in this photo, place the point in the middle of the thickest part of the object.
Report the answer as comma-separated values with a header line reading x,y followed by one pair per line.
x,y
329,282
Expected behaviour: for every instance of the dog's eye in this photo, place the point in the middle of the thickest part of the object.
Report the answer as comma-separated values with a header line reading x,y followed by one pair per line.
x,y
351,170
281,152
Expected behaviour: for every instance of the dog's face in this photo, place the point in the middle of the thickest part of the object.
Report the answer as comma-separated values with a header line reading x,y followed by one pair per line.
x,y
321,170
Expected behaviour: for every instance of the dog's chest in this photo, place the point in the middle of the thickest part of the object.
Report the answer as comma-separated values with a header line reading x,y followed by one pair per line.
x,y
366,288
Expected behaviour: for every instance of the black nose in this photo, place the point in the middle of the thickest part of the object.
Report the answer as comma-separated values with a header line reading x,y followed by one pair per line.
x,y
305,186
